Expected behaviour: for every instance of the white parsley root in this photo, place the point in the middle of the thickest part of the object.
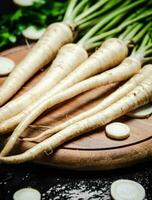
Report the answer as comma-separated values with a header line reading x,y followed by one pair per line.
x,y
119,73
69,57
107,56
44,51
141,95
115,96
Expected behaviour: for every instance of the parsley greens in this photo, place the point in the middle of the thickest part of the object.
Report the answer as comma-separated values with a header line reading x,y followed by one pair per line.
x,y
40,14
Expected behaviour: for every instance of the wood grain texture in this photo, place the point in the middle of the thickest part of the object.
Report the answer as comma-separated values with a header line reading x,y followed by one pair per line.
x,y
92,151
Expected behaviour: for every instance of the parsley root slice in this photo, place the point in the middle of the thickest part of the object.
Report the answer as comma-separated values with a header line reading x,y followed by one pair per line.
x,y
127,190
6,66
117,130
142,112
27,193
32,33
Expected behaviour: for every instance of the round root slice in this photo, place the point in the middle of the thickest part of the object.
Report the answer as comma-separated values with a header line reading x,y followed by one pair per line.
x,y
127,190
32,33
6,66
142,112
24,2
27,193
117,130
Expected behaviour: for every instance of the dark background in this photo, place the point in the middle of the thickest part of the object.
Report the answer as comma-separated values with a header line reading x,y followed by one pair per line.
x,y
59,184
6,6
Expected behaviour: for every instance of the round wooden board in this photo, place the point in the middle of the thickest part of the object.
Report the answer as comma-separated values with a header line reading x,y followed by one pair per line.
x,y
92,151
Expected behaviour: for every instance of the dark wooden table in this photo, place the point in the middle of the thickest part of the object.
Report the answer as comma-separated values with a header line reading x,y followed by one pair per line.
x,y
56,184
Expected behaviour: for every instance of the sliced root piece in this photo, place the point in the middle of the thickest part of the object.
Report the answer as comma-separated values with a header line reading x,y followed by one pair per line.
x,y
27,193
6,66
24,2
117,130
142,112
32,33
127,190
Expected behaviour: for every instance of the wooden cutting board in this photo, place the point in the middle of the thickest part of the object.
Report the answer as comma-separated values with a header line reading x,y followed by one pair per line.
x,y
92,151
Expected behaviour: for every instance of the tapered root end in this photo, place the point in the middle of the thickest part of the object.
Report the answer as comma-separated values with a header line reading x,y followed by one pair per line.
x,y
17,159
